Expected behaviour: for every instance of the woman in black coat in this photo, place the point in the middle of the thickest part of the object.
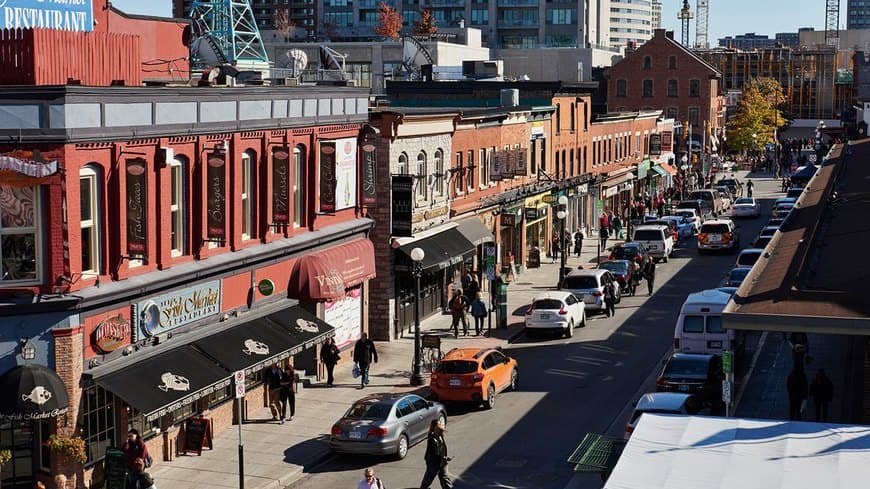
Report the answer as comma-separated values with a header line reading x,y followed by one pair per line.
x,y
330,356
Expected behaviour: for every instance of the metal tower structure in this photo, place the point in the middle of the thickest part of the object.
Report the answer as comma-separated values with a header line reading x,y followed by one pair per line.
x,y
701,23
832,22
684,16
224,31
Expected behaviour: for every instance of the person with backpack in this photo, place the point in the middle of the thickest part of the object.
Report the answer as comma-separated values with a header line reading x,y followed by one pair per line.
x,y
369,481
458,305
478,312
609,299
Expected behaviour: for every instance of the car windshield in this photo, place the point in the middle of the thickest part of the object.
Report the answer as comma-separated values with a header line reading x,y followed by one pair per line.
x,y
748,259
370,409
762,241
744,200
457,367
647,235
686,214
584,282
615,266
547,304
738,274
686,367
714,228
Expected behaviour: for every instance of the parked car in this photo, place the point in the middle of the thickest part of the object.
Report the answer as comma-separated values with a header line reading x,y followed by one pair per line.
x,y
724,196
693,373
473,375
736,277
629,251
748,257
619,269
685,227
733,185
746,207
698,206
761,242
784,200
775,221
588,285
699,327
783,209
709,199
671,225
559,310
794,192
692,216
664,403
658,240
384,424
719,234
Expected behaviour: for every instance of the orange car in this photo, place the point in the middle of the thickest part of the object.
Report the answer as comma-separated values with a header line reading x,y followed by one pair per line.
x,y
473,375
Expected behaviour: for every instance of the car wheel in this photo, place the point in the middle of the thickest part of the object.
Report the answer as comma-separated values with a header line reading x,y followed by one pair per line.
x,y
665,258
402,448
514,379
583,320
569,331
442,419
489,402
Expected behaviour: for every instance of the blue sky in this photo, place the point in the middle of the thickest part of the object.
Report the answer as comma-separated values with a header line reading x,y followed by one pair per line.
x,y
727,17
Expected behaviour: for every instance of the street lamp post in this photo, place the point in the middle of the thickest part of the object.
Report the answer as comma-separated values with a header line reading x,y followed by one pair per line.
x,y
562,214
684,167
417,255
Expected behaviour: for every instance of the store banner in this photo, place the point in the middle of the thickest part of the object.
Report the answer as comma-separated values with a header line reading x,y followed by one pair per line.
x,y
655,144
327,176
368,192
137,206
216,200
402,205
281,185
522,168
509,163
496,167
667,142
346,165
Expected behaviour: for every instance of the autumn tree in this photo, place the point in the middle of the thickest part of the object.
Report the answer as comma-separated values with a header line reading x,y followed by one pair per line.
x,y
426,26
758,115
389,22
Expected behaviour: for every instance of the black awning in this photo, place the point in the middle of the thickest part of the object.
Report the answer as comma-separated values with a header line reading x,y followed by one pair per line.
x,y
167,381
30,392
249,346
474,230
446,248
304,328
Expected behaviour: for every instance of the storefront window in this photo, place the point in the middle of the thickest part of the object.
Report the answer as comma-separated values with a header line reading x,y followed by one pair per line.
x,y
97,419
146,429
219,396
19,234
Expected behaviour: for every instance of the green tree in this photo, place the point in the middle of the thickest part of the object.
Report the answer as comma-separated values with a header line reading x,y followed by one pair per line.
x,y
389,22
758,115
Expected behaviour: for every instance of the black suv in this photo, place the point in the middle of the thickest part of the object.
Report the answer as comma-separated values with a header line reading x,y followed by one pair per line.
x,y
694,373
629,251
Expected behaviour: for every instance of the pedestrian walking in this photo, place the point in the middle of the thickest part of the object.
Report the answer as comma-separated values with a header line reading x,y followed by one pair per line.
x,y
436,457
134,448
364,353
649,274
478,311
822,391
609,299
511,263
369,481
749,187
288,393
633,277
472,288
616,224
796,385
458,306
602,236
578,243
555,248
273,378
137,478
330,356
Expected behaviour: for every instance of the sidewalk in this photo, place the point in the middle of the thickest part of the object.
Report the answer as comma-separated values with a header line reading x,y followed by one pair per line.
x,y
277,455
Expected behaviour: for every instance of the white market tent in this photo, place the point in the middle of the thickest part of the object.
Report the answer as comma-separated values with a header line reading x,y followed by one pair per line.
x,y
696,452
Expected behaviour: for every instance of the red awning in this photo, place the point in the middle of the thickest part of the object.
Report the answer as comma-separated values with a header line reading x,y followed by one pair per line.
x,y
668,168
324,275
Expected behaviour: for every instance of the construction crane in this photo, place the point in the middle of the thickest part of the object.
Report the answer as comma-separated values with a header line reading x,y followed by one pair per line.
x,y
701,23
684,16
225,32
832,22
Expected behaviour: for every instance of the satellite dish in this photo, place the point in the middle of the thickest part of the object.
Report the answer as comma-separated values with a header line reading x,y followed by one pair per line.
x,y
294,59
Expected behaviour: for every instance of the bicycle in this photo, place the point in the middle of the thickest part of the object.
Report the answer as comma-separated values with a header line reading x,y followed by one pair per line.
x,y
431,357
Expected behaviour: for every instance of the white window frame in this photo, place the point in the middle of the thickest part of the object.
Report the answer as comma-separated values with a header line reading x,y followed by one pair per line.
x,y
298,186
421,177
92,224
439,171
247,195
36,229
178,210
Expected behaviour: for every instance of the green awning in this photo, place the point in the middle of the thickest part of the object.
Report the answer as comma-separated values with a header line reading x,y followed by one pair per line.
x,y
597,453
661,171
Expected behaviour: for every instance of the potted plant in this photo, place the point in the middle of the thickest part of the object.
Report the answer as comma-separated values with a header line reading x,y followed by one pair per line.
x,y
69,446
5,457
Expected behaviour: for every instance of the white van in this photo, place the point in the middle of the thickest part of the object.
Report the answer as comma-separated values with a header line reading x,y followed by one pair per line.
x,y
699,327
658,240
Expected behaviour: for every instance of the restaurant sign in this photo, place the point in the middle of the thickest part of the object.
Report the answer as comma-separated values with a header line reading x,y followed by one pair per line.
x,y
112,333
65,15
175,309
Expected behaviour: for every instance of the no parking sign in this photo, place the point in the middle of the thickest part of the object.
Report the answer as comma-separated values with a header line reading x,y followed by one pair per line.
x,y
239,381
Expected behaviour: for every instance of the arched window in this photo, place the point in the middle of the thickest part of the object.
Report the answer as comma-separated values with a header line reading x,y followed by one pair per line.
x,y
299,186
403,164
247,197
421,173
439,172
90,212
178,205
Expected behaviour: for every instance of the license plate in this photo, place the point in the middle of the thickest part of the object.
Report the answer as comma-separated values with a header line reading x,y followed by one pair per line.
x,y
545,316
715,239
714,344
455,382
355,435
683,387
652,247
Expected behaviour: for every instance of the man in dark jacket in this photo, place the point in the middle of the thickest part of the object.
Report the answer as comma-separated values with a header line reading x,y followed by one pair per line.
x,y
796,385
822,391
363,353
649,274
436,457
273,379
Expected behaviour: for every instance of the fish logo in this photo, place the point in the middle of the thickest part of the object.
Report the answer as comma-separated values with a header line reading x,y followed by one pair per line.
x,y
39,395
174,382
306,326
254,347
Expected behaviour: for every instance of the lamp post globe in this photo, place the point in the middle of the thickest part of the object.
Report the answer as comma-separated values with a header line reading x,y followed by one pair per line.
x,y
417,255
562,215
563,200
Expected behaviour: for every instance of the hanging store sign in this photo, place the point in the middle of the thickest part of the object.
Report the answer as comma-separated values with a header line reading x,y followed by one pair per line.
x,y
281,185
62,15
402,205
345,173
112,333
532,214
522,166
327,176
216,201
655,144
137,204
175,309
508,220
497,162
583,189
368,192
509,158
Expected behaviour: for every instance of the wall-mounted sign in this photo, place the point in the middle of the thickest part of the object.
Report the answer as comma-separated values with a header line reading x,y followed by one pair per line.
x,y
368,192
583,189
63,15
112,333
266,287
137,204
531,213
522,167
537,130
667,142
281,185
496,168
509,158
169,311
508,220
327,176
655,144
345,173
215,191
402,205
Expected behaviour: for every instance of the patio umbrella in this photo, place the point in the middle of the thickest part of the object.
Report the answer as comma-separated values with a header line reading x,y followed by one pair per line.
x,y
32,391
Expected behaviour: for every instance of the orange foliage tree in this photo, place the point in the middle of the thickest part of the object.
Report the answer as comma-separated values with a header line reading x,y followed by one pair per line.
x,y
426,25
389,22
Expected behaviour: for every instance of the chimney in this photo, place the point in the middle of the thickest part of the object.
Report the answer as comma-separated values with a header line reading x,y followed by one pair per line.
x,y
670,35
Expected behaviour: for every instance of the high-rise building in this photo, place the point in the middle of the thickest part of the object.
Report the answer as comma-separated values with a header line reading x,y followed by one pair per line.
x,y
857,14
750,40
630,22
788,39
298,16
656,14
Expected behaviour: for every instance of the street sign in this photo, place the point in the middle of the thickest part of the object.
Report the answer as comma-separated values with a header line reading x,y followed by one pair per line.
x,y
239,381
489,258
726,391
727,361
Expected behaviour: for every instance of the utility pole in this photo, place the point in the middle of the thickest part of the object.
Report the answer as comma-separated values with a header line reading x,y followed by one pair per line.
x,y
684,16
